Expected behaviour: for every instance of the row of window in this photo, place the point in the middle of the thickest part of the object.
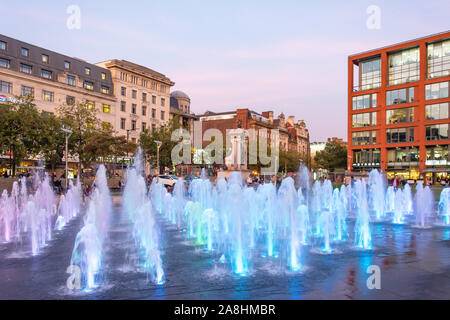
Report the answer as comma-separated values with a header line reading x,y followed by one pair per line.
x,y
25,52
123,92
123,108
406,154
400,135
404,66
435,111
47,74
134,125
143,82
433,91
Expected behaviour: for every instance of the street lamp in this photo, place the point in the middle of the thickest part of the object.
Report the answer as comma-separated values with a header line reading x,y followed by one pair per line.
x,y
68,133
158,145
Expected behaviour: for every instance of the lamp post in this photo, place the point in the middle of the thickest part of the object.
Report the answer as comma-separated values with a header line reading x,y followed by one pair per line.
x,y
68,133
158,145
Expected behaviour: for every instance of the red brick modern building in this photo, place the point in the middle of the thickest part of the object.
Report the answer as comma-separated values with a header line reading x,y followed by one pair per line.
x,y
398,108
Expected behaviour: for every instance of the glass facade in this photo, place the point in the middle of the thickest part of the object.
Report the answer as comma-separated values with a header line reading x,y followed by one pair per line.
x,y
436,132
437,155
362,138
365,101
403,115
400,96
407,154
437,90
438,55
367,157
437,111
404,66
366,119
370,74
399,135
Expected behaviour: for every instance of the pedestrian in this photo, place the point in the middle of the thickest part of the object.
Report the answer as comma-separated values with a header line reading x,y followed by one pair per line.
x,y
395,183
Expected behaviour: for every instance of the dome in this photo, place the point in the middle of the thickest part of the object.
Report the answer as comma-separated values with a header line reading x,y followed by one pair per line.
x,y
179,94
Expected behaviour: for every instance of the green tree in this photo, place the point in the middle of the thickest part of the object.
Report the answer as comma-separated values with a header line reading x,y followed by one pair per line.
x,y
52,139
20,129
82,119
163,134
333,156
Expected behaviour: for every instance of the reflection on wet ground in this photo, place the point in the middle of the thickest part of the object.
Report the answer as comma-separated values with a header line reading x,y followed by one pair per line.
x,y
414,263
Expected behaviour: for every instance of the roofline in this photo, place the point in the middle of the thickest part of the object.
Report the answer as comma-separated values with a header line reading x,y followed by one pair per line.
x,y
399,43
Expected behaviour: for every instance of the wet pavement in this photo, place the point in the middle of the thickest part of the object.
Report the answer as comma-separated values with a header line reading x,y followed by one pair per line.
x,y
414,264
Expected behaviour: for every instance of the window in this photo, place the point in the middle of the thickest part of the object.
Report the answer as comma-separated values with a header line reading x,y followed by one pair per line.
x,y
437,90
122,123
436,132
163,102
103,76
437,155
90,105
399,135
370,74
162,88
123,76
154,99
134,94
400,96
162,115
4,63
47,96
70,100
133,140
46,74
153,127
364,119
144,126
407,154
88,85
106,108
27,91
403,115
133,125
144,110
366,157
5,86
144,83
87,71
3,45
154,85
105,89
123,91
134,80
153,113
362,138
404,66
70,80
45,58
438,55
66,65
133,108
25,52
122,106
364,102
144,97
25,68
437,111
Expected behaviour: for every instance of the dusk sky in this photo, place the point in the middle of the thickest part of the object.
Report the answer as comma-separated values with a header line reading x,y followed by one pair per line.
x,y
286,56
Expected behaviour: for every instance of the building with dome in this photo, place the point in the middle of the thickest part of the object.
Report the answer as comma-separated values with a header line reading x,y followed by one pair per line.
x,y
180,105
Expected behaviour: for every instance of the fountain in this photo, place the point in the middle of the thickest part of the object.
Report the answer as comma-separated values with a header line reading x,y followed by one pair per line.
x,y
444,207
138,206
424,206
88,249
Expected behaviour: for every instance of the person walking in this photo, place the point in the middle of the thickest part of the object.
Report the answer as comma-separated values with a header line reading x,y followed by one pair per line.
x,y
395,183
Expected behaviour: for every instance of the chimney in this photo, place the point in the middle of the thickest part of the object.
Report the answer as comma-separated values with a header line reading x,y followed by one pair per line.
x,y
290,120
268,115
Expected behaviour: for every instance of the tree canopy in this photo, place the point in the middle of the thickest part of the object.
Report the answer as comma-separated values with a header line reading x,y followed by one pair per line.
x,y
333,156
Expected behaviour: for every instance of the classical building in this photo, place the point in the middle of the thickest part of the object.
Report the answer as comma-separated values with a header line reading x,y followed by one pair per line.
x,y
398,108
293,136
53,79
143,97
180,105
